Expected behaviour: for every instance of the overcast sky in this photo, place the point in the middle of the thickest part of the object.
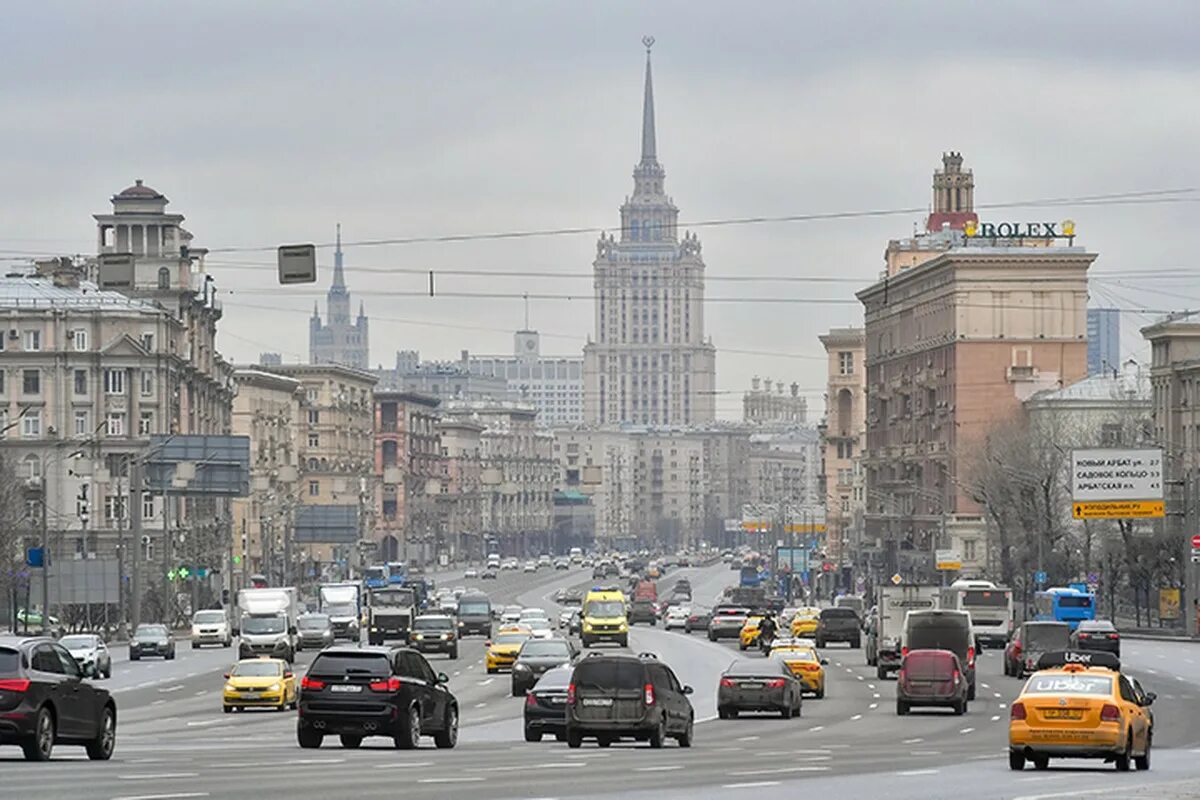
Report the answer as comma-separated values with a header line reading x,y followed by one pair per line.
x,y
267,122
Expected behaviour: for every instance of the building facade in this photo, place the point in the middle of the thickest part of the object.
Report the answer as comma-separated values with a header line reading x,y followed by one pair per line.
x,y
552,384
338,340
461,489
781,407
843,443
649,362
408,465
1104,340
445,380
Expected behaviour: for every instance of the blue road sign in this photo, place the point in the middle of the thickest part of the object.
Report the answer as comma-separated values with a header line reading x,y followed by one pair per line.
x,y
1039,578
33,556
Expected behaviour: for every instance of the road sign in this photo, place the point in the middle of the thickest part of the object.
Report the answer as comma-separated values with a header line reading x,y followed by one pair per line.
x,y
1093,577
897,580
948,560
1039,578
1115,475
1118,509
33,556
1196,542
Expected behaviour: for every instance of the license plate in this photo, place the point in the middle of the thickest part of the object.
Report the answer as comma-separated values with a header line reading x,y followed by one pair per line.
x,y
345,688
750,685
250,694
1063,713
597,701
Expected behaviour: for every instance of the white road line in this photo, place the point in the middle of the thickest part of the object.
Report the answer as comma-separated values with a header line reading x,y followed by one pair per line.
x,y
404,765
913,741
1002,705
201,693
174,688
876,695
204,723
747,738
1151,671
173,796
926,752
996,718
481,705
752,785
856,717
463,779
873,705
870,686
860,677
160,776
779,771
158,702
662,768
910,772
486,681
817,729
984,685
966,730
310,761
997,694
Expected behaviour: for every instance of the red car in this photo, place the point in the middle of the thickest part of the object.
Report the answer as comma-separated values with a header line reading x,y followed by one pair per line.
x,y
931,678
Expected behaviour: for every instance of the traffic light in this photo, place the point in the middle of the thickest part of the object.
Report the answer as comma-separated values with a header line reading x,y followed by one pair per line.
x,y
224,597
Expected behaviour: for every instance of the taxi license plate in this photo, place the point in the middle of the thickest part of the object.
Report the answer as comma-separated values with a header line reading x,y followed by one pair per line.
x,y
1063,713
346,688
597,701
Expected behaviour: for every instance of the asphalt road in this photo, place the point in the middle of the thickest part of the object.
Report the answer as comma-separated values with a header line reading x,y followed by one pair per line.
x,y
174,741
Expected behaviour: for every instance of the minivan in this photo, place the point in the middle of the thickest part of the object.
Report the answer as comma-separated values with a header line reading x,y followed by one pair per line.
x,y
931,678
942,630
474,614
624,696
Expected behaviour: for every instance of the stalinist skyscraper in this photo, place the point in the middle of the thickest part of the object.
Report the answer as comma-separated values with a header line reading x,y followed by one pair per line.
x,y
650,362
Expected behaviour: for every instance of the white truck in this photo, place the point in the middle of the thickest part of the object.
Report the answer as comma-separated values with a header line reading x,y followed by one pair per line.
x,y
990,607
887,623
390,612
342,603
266,622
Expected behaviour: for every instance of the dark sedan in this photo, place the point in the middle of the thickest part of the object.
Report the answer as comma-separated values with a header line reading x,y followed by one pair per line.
x,y
546,705
45,701
1099,634
697,620
152,640
536,657
759,685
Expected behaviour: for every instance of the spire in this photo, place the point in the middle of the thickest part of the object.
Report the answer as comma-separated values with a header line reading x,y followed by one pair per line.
x,y
649,151
339,277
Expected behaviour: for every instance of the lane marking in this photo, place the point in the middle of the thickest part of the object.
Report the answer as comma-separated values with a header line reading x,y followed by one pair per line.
x,y
873,705
159,776
461,779
996,718
201,693
204,723
856,717
174,688
984,685
751,785
309,761
158,702
925,752
817,729
172,796
908,773
912,741
876,695
486,681
966,730
404,765
780,771
747,738
662,768
997,694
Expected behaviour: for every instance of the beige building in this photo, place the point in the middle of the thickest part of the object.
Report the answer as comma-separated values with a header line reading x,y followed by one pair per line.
x,y
408,467
267,408
845,435
649,362
601,464
461,487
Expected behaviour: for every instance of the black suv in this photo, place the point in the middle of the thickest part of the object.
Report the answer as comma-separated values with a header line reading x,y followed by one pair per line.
x,y
152,640
434,633
839,625
624,696
375,691
45,701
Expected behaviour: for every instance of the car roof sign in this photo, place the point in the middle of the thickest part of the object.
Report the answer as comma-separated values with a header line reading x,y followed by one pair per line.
x,y
1089,658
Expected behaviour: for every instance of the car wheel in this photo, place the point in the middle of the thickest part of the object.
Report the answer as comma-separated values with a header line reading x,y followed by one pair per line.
x,y
901,708
820,694
228,642
134,656
820,642
454,654
1040,762
561,736
171,656
531,735
712,637
1142,762
603,741
574,740
1016,760
410,731
856,644
659,734
227,709
722,712
1122,761
960,708
742,645
41,745
350,741
101,748
308,738
786,712
685,738
447,737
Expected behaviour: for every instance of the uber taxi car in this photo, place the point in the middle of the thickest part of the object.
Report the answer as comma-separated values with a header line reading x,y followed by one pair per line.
x,y
801,657
502,651
604,617
259,682
1079,705
805,621
749,634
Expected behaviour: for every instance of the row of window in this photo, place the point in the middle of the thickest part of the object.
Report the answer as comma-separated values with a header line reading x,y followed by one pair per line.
x,y
115,424
31,340
114,382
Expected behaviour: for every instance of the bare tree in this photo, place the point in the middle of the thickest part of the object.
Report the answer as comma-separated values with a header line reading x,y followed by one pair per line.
x,y
13,527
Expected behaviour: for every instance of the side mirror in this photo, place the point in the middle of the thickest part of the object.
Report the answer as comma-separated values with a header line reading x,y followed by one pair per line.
x,y
688,690
442,678
289,674
824,662
488,643
226,676
1150,698
291,630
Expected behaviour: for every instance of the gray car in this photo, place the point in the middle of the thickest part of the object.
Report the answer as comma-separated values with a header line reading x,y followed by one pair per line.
x,y
90,653
314,632
535,658
759,685
726,622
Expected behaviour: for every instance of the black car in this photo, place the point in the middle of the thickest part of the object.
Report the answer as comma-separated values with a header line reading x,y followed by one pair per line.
x,y
537,656
642,611
759,685
1097,634
697,620
152,640
489,574
623,696
45,701
474,614
839,625
546,705
375,691
572,597
434,633
1029,641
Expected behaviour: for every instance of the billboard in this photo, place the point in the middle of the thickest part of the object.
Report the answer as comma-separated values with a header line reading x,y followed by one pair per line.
x,y
222,464
326,524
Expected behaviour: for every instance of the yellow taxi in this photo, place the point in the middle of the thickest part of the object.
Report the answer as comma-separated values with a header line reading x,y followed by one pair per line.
x,y
804,622
1079,705
800,656
502,650
749,635
266,682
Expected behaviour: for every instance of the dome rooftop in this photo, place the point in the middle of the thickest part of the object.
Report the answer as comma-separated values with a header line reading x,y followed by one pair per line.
x,y
138,190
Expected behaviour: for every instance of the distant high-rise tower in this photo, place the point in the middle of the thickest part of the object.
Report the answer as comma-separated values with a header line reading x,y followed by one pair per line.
x,y
650,362
338,341
1104,340
953,194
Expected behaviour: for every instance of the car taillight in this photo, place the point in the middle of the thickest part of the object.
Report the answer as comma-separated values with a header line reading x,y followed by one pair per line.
x,y
775,684
970,656
390,685
1113,636
15,685
571,694
903,652
311,683
1017,649
957,677
530,700
648,693
727,683
1110,713
1017,711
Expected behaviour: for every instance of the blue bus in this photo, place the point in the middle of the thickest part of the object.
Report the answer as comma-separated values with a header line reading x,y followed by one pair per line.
x,y
395,572
1064,604
375,577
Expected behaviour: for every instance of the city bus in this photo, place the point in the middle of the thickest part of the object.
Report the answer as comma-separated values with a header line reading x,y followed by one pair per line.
x,y
1064,604
375,576
990,607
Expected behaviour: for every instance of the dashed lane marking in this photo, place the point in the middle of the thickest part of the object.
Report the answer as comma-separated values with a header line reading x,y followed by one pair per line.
x,y
870,686
966,730
873,706
404,765
856,717
486,681
201,693
204,723
997,694
911,772
996,718
481,705
747,738
860,677
876,695
313,761
984,685
172,796
167,689
160,776
817,729
778,771
751,785
926,752
661,768
913,741
158,702
462,779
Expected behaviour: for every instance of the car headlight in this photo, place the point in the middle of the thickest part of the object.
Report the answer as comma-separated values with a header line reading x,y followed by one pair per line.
x,y
521,667
229,687
274,687
445,636
418,636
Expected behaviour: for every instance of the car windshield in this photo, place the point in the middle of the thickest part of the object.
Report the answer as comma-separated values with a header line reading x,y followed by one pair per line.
x,y
393,599
432,624
934,634
543,647
474,607
257,669
350,664
838,613
151,632
610,674
262,624
1069,684
77,642
605,608
314,623
795,653
340,609
511,638
209,617
1047,637
538,624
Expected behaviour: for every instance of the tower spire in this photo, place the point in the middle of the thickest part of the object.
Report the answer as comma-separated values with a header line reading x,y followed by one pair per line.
x,y
339,276
649,150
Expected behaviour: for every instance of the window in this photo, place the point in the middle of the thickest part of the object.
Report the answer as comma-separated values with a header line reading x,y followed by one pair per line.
x,y
81,382
80,338
314,488
312,394
969,549
31,424
3,382
314,416
83,424
147,383
114,507
845,363
33,510
33,340
148,342
146,423
114,381
31,381
116,423
147,505
845,505
164,278
31,467
314,440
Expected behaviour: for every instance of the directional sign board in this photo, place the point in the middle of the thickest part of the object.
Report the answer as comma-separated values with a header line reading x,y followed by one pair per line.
x,y
948,560
1116,484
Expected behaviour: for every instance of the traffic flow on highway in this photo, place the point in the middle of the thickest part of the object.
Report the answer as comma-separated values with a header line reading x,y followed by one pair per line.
x,y
593,676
